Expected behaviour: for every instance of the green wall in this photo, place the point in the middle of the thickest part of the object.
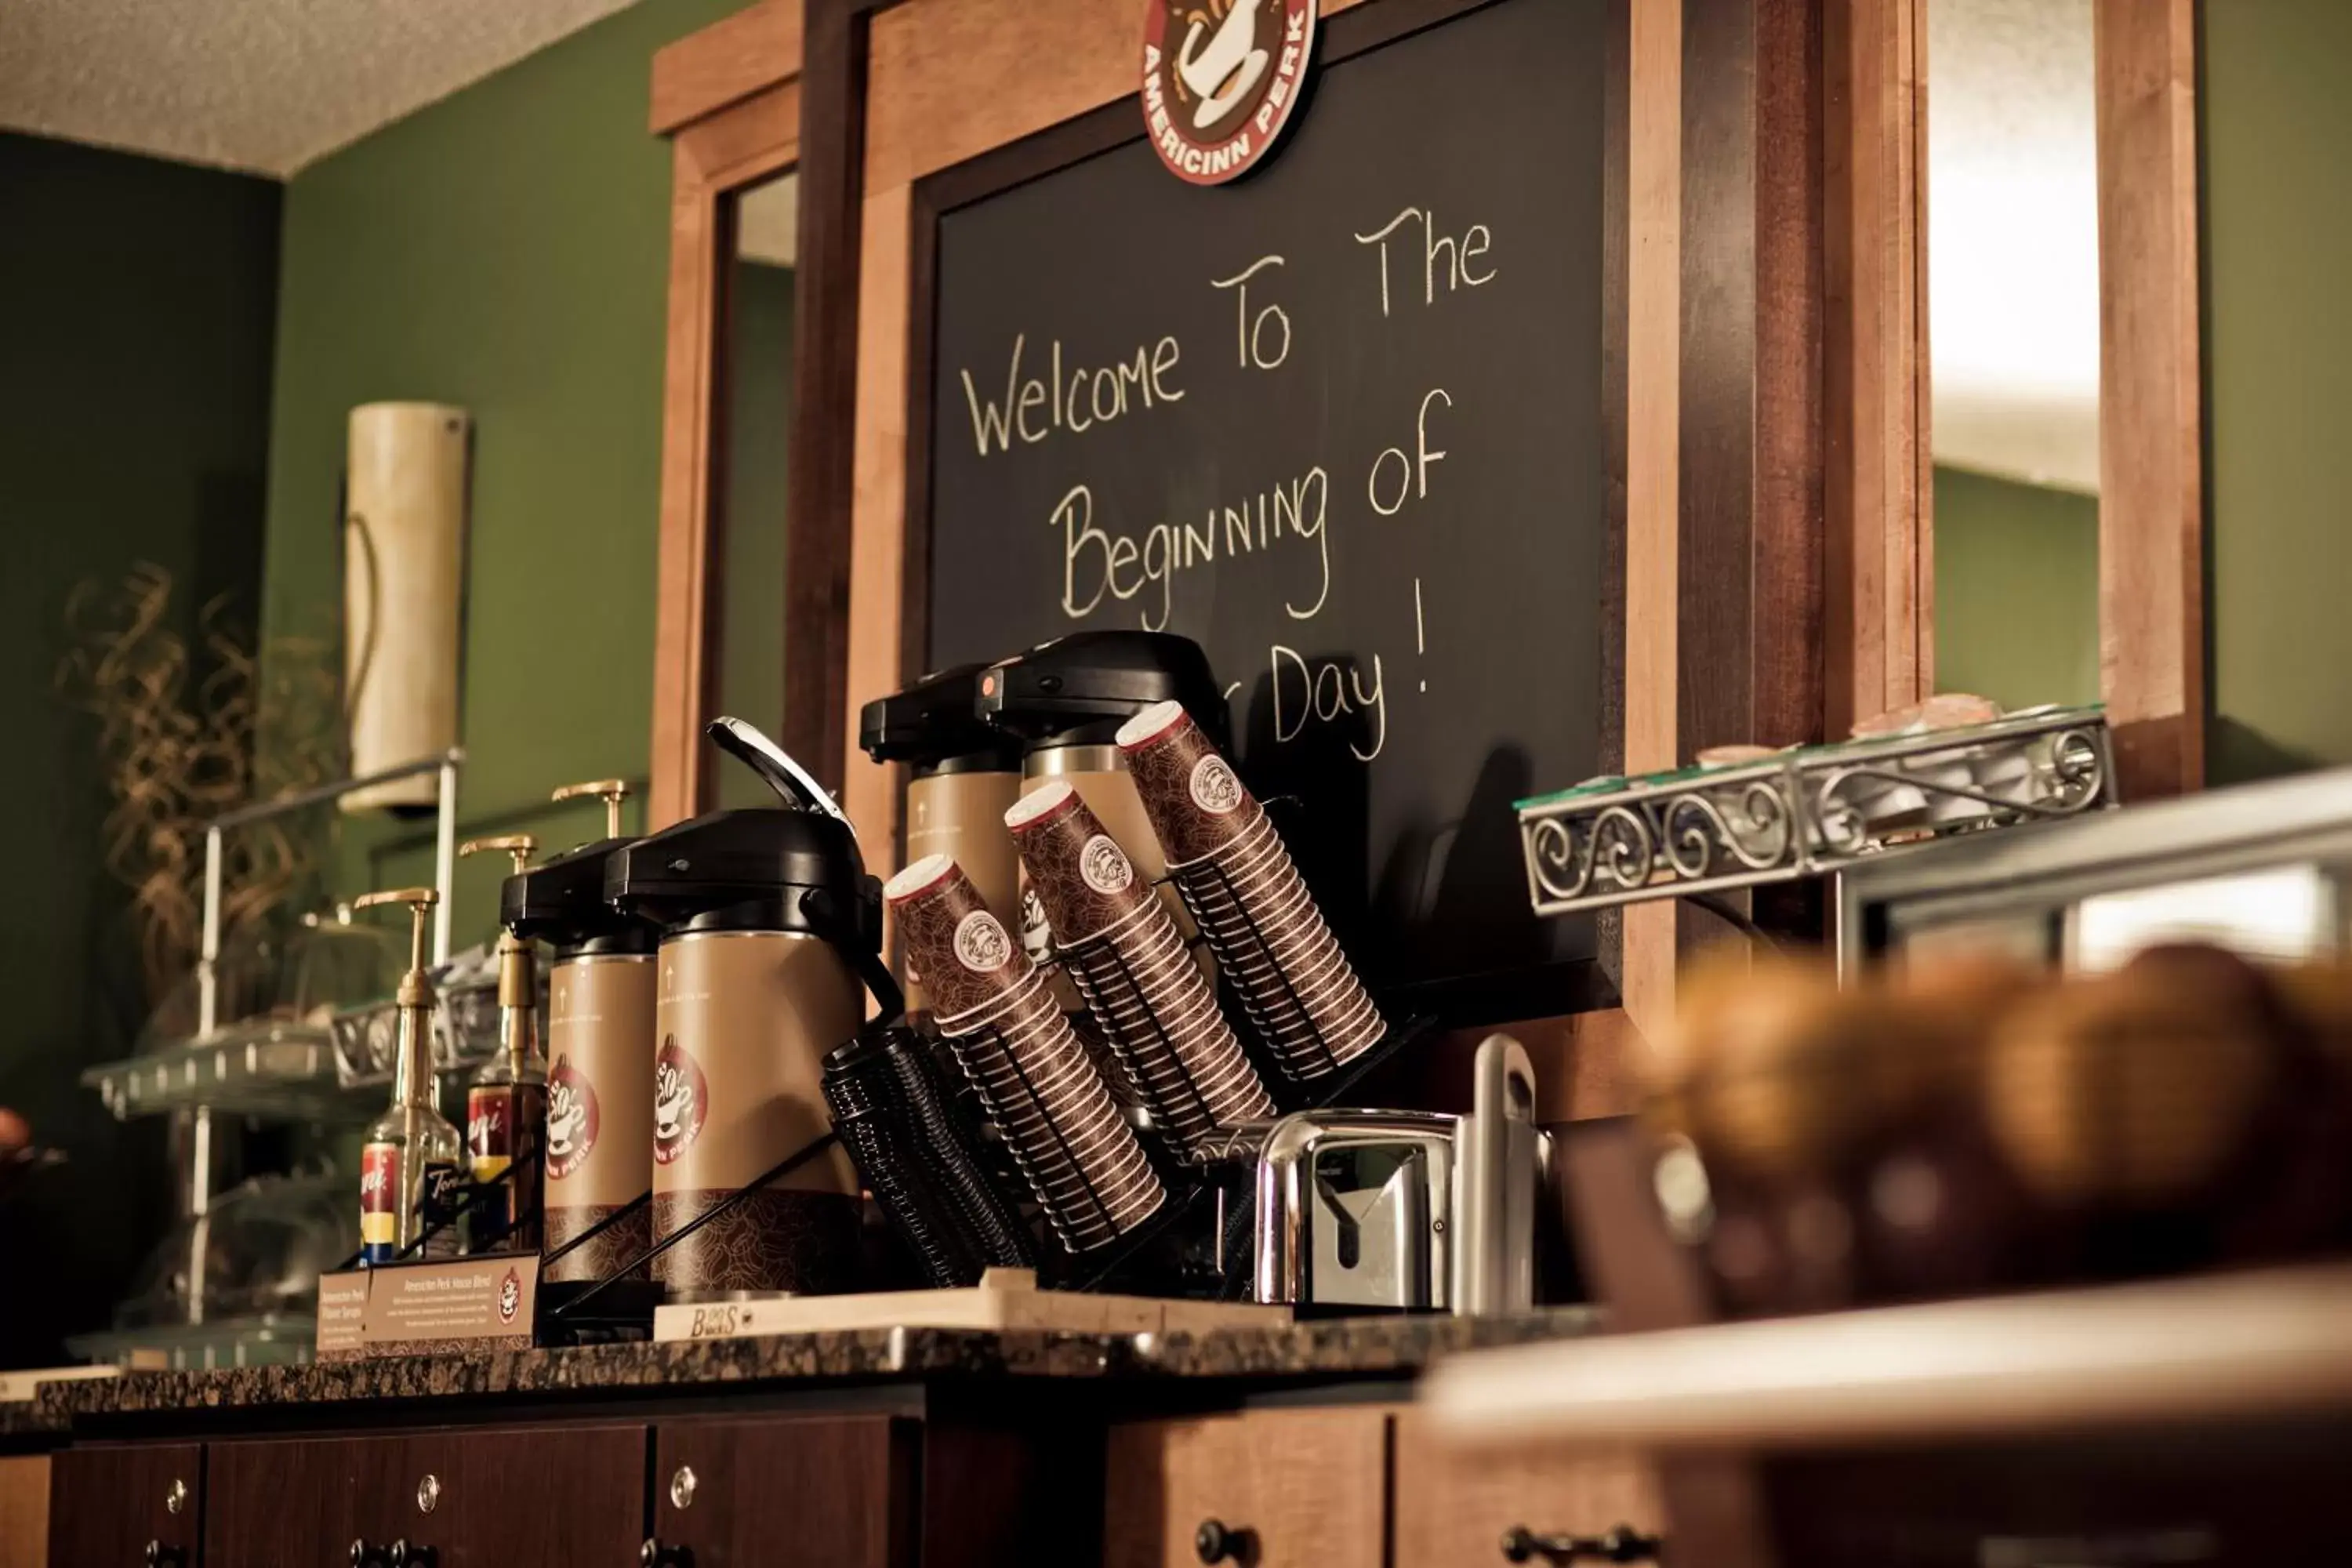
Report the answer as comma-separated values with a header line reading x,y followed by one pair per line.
x,y
506,249
136,303
2277,102
2017,590
758,417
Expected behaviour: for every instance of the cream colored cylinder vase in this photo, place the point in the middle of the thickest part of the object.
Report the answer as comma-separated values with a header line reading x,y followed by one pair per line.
x,y
404,572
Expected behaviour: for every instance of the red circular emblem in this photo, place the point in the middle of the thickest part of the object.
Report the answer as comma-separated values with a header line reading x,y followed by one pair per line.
x,y
1220,80
680,1101
574,1119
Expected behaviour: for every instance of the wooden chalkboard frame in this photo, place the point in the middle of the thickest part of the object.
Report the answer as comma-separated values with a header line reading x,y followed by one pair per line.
x,y
1719,352
1573,988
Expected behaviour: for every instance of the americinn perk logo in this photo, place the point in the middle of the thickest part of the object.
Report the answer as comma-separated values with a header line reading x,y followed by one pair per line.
x,y
1220,80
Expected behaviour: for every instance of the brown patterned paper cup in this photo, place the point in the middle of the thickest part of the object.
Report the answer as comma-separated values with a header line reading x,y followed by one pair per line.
x,y
1080,874
955,945
1122,949
1197,803
1076,1153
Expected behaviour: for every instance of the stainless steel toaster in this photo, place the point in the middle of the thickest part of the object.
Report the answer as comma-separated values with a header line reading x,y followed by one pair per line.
x,y
1404,1209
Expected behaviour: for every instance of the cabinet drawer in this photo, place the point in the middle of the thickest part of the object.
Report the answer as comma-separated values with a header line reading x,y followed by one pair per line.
x,y
475,1499
1285,1488
1453,1506
108,1503
787,1492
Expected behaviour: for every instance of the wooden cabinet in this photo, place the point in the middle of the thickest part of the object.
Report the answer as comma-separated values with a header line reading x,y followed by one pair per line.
x,y
291,1504
108,1503
1452,1508
471,1500
24,1510
784,1492
1271,1489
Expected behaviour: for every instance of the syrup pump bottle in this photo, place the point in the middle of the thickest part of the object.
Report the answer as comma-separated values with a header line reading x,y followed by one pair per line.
x,y
506,1099
408,1166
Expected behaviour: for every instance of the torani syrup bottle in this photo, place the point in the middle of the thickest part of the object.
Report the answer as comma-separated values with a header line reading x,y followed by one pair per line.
x,y
409,1163
506,1100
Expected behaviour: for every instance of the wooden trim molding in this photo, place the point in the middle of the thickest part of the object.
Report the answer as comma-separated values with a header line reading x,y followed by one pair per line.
x,y
1749,665
818,718
2151,470
1653,459
742,144
1879,636
697,76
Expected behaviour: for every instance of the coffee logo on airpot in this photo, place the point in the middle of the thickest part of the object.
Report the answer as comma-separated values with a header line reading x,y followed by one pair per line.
x,y
1220,80
1215,790
509,1297
572,1118
681,1099
981,944
1105,866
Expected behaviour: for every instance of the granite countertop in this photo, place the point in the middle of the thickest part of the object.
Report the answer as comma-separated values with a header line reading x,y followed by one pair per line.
x,y
1319,1348
28,1418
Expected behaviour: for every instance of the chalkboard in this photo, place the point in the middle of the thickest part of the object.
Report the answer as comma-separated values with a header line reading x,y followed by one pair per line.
x,y
1343,423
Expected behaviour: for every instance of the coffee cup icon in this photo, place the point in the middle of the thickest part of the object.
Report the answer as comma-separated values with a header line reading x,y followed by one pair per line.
x,y
1223,71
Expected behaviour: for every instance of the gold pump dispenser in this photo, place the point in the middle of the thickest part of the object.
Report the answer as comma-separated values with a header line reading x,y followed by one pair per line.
x,y
408,1164
611,791
505,1101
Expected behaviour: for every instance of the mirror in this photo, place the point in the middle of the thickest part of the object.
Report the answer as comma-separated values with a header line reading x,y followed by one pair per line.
x,y
2013,285
752,431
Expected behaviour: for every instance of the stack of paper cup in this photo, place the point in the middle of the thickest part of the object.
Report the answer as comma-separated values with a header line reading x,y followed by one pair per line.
x,y
1120,944
1225,856
1079,1157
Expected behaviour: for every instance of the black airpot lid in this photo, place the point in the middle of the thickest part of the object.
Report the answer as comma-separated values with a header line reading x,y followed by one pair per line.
x,y
751,869
1099,679
935,721
562,900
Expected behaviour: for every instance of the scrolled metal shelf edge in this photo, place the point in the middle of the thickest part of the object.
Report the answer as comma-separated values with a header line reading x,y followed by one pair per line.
x,y
1796,814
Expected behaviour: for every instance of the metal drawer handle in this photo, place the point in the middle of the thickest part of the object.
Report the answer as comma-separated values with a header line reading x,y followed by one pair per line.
x,y
654,1554
1623,1545
365,1556
404,1555
157,1554
1216,1541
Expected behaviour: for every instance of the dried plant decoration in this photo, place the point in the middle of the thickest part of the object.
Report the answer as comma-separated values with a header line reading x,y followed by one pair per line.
x,y
179,747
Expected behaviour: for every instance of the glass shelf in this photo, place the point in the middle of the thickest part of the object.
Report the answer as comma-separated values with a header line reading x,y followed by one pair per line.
x,y
1807,811
276,1072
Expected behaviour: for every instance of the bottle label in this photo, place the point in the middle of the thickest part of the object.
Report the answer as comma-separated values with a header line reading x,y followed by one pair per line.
x,y
502,1139
379,1203
436,1209
489,1131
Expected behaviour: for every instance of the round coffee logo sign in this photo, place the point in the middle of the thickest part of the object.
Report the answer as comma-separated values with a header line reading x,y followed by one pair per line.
x,y
681,1099
1220,80
1105,866
572,1118
509,1297
981,944
1215,790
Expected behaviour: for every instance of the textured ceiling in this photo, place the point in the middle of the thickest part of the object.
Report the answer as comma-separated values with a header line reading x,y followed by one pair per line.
x,y
265,85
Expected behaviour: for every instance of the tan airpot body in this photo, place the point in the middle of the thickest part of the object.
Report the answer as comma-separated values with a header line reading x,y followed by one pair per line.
x,y
742,1023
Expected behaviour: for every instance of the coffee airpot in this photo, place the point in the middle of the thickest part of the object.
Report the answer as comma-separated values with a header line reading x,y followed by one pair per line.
x,y
771,937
